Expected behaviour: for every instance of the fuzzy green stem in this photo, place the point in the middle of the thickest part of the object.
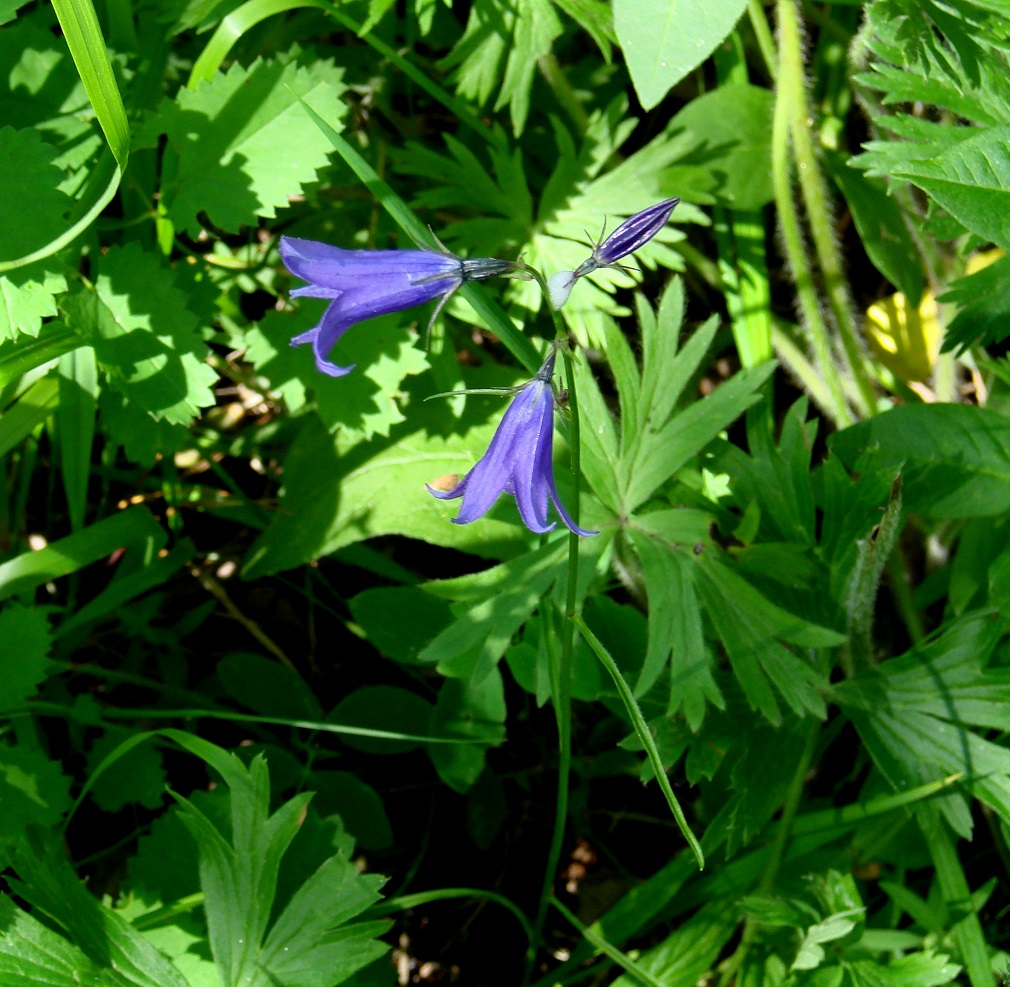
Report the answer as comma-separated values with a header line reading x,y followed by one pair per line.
x,y
763,34
795,249
567,99
793,95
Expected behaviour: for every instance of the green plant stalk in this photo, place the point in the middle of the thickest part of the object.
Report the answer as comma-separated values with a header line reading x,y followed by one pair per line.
x,y
795,250
795,361
791,90
763,34
403,902
624,962
561,678
555,77
644,734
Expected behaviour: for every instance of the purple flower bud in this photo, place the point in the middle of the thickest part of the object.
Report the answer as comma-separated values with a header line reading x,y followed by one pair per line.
x,y
633,233
518,461
365,283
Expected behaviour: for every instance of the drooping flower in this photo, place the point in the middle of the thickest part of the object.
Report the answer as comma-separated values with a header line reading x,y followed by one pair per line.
x,y
366,283
519,461
633,233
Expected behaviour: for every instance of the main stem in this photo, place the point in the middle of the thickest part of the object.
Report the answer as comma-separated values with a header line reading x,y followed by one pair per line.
x,y
561,677
815,198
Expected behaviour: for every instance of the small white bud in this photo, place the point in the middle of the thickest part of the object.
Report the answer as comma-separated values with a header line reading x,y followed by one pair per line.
x,y
559,287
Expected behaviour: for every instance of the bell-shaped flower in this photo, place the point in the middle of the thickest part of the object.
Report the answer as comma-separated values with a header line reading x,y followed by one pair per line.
x,y
365,283
519,461
633,233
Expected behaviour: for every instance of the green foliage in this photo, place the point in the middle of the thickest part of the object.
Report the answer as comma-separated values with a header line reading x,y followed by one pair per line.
x,y
785,651
230,141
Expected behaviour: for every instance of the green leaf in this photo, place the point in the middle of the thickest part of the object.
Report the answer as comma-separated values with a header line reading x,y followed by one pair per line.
x,y
329,480
27,640
32,212
984,302
499,50
972,182
915,714
266,686
731,132
231,141
33,790
419,617
675,628
954,459
470,709
359,806
690,952
134,529
27,296
309,942
663,40
145,338
664,447
33,955
752,628
110,942
490,609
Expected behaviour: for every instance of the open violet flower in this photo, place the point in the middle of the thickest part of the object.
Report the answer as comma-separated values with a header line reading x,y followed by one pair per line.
x,y
366,283
518,461
633,233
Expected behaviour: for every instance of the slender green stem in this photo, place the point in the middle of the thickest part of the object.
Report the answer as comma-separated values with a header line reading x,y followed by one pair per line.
x,y
795,361
795,249
561,679
763,34
403,902
644,734
792,96
624,962
555,77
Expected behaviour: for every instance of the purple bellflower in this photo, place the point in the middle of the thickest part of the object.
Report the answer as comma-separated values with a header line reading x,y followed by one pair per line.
x,y
518,461
366,283
633,233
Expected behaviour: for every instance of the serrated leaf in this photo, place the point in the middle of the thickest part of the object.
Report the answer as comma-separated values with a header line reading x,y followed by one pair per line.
x,y
984,302
663,40
915,713
145,338
972,182
499,50
664,447
752,628
26,642
124,956
954,459
233,141
32,790
32,209
27,296
309,942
